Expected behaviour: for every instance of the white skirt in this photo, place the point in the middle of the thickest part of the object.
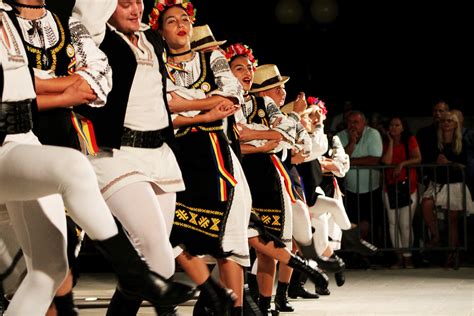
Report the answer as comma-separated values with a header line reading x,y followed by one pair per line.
x,y
118,168
439,192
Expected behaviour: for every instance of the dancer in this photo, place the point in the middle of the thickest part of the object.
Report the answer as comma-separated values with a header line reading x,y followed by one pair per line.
x,y
212,214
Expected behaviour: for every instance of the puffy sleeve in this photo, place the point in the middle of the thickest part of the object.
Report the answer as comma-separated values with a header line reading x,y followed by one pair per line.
x,y
92,63
340,157
287,126
228,85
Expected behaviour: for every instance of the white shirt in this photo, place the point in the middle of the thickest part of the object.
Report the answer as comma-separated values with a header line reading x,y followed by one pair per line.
x,y
146,109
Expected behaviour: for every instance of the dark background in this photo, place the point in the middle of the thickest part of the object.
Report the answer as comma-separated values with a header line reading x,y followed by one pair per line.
x,y
386,56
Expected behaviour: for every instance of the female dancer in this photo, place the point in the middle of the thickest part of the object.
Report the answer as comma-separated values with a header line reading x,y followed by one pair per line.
x,y
212,214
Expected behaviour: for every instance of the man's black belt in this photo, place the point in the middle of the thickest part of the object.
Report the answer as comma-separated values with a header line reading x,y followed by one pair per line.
x,y
15,117
147,139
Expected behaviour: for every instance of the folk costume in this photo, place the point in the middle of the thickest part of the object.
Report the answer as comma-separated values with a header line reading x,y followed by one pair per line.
x,y
133,130
212,214
270,183
60,46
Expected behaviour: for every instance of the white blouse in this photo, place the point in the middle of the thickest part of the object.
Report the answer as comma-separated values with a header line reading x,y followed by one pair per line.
x,y
17,84
91,62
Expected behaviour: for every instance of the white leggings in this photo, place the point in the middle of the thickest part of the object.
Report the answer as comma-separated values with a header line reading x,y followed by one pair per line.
x,y
148,219
325,208
30,177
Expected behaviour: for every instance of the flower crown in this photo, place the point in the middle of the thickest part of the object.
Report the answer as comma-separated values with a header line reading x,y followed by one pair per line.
x,y
319,103
162,5
239,49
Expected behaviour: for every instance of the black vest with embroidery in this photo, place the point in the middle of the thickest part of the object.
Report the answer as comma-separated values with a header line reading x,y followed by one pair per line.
x,y
108,120
205,82
259,113
55,126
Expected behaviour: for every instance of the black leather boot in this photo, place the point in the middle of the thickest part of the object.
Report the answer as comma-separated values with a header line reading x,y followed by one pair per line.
x,y
121,305
166,310
135,280
281,298
253,286
340,278
331,264
264,305
351,241
250,308
322,291
214,300
65,305
319,278
296,288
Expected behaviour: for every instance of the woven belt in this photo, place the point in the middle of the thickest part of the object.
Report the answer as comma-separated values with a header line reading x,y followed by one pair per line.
x,y
148,139
15,117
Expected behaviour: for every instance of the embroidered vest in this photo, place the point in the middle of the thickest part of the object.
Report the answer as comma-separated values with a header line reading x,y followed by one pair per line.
x,y
259,113
61,58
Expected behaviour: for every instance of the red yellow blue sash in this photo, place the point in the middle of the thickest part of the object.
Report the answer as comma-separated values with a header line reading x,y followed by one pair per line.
x,y
286,177
225,177
86,134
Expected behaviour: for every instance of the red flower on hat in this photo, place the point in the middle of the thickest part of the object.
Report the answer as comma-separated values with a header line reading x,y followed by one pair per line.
x,y
170,2
239,49
318,103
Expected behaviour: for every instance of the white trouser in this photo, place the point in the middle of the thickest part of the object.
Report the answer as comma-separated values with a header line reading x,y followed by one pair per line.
x,y
324,211
31,175
400,222
148,219
301,223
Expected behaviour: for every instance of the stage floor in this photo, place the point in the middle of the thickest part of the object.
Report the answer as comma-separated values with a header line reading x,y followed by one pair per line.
x,y
366,292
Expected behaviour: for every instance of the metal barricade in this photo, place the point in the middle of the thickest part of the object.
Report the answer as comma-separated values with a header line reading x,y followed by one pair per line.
x,y
450,225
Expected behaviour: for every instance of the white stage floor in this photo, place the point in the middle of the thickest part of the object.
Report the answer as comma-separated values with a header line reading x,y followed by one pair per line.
x,y
366,292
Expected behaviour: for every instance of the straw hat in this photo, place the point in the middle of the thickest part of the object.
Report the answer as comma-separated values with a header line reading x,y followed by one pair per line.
x,y
203,38
267,77
288,108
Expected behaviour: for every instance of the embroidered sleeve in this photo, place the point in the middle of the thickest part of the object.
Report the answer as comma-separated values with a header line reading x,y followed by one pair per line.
x,y
91,61
303,140
286,126
228,85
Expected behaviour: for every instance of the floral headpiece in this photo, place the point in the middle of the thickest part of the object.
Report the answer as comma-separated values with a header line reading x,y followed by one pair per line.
x,y
239,49
162,5
319,103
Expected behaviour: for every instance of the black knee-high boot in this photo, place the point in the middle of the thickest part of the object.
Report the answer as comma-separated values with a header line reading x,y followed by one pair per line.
x,y
319,278
281,298
121,305
264,304
135,280
296,288
65,305
214,300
